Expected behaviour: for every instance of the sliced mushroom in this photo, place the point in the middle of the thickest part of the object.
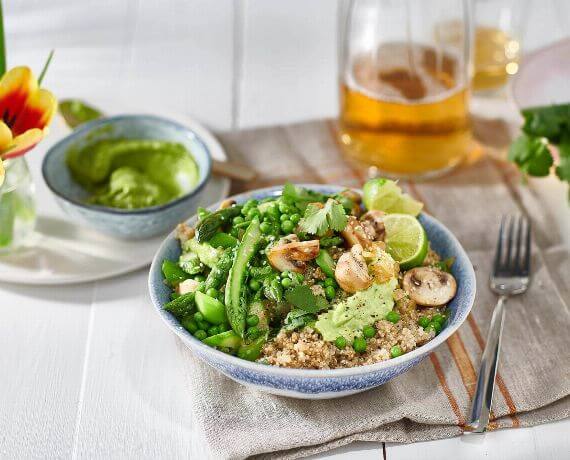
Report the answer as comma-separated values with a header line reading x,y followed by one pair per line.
x,y
228,203
373,223
184,232
356,199
429,286
351,271
354,233
293,256
187,286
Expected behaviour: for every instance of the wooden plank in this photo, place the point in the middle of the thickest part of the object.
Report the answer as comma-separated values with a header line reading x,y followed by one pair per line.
x,y
134,401
42,337
289,65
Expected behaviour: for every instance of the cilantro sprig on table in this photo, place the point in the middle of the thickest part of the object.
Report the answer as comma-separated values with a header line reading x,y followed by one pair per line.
x,y
319,219
543,126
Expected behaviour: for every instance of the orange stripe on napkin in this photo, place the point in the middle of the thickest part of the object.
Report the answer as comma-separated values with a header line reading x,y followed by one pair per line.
x,y
445,387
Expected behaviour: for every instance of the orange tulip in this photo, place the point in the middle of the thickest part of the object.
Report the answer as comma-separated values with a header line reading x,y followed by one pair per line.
x,y
25,112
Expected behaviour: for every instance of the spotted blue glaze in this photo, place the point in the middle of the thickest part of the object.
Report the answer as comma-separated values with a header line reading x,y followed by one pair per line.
x,y
138,223
320,384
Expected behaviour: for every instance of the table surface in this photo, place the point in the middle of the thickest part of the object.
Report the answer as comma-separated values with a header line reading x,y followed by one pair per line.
x,y
88,371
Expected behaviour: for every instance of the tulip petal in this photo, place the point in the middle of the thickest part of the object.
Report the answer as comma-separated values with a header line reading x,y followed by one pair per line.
x,y
6,137
2,173
24,142
16,86
37,112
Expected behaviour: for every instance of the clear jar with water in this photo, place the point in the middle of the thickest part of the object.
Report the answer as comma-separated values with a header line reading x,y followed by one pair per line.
x,y
17,206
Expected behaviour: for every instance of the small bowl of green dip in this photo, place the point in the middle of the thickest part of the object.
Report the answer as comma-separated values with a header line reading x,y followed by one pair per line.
x,y
129,176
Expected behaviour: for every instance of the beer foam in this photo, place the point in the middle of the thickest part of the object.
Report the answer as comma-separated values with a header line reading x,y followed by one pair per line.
x,y
400,73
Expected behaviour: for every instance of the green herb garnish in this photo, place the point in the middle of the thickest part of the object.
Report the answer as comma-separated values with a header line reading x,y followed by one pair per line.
x,y
543,126
320,219
303,298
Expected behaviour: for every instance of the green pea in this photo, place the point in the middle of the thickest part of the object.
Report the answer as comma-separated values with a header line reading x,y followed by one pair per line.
x,y
340,342
198,316
331,282
368,331
266,228
330,292
200,334
284,208
287,226
286,282
254,285
423,321
252,320
436,326
438,319
254,212
252,332
395,351
295,218
251,203
284,217
212,292
359,344
393,316
431,327
213,330
285,274
223,327
189,324
200,278
238,220
205,325
273,211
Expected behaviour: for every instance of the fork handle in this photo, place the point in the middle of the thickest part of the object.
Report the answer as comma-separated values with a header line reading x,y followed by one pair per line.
x,y
481,406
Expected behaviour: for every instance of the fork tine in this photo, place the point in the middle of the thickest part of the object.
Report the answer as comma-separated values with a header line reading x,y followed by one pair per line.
x,y
520,224
526,263
499,249
510,235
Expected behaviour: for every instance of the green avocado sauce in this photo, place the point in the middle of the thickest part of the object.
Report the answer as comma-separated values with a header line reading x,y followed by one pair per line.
x,y
133,173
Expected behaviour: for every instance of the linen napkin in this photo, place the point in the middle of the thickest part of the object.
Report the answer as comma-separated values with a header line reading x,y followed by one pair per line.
x,y
432,400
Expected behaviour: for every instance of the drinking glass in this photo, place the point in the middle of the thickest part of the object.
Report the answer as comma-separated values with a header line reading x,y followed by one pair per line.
x,y
404,85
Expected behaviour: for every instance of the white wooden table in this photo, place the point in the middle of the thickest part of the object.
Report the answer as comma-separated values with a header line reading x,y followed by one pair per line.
x,y
88,371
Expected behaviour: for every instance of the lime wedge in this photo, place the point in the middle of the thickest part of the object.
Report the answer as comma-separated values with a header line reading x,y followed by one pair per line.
x,y
385,195
406,240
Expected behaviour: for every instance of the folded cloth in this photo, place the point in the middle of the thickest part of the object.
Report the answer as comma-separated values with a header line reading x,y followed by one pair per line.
x,y
431,401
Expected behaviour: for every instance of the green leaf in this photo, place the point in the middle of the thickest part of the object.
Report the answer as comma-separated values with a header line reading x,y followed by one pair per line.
x,y
301,197
45,68
531,154
297,319
548,121
317,220
302,297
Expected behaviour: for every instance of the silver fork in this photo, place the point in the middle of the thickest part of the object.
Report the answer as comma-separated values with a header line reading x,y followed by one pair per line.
x,y
510,276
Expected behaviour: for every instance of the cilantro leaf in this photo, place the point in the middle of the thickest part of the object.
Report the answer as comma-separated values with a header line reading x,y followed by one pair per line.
x,y
319,219
297,319
548,121
301,197
303,298
531,154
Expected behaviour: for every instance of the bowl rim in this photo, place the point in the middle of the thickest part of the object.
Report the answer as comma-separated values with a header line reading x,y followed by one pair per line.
x,y
85,128
415,354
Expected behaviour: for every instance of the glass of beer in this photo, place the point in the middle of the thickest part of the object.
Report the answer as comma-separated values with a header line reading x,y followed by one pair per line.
x,y
404,85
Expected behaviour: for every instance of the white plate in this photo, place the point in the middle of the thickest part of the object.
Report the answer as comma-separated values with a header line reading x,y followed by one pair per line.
x,y
64,252
544,77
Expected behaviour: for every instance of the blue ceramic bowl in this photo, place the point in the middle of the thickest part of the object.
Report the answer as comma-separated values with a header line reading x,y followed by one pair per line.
x,y
132,224
320,384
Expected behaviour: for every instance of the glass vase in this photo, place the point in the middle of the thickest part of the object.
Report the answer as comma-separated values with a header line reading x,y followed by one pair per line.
x,y
17,206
